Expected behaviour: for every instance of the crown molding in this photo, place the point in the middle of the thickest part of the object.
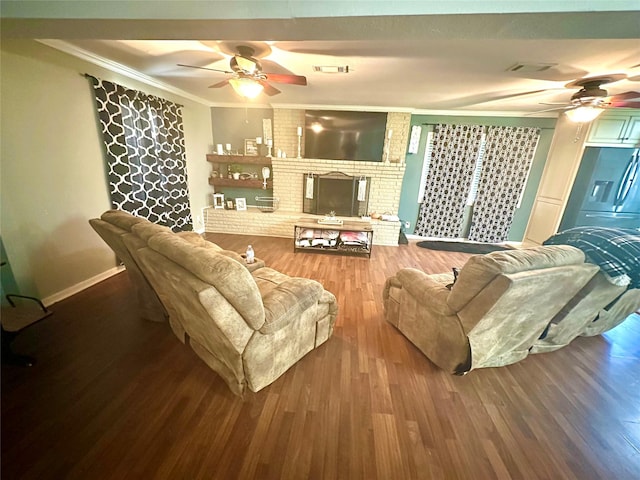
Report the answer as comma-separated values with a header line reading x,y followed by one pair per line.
x,y
120,69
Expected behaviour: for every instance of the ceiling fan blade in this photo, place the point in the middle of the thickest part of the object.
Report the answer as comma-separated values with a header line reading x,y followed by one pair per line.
x,y
625,96
204,68
565,107
219,84
624,105
269,89
622,99
285,78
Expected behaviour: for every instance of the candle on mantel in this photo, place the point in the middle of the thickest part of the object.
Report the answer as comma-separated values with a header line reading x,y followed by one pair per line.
x,y
299,131
269,142
259,140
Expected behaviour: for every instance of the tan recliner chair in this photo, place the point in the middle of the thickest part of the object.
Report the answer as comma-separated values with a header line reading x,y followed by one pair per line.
x,y
578,316
496,310
614,314
249,323
112,226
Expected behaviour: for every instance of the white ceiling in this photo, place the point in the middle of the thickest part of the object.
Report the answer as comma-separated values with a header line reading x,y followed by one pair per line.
x,y
422,63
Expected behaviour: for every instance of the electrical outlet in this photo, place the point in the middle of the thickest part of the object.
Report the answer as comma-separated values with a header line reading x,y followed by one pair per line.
x,y
407,224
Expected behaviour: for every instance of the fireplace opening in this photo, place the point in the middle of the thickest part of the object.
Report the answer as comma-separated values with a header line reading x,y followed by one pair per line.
x,y
337,192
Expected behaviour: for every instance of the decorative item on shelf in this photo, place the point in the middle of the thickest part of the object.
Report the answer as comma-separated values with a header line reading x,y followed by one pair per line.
x,y
250,147
267,204
330,219
241,204
266,129
269,146
214,174
299,132
266,173
230,205
235,170
259,145
228,148
219,149
218,200
246,176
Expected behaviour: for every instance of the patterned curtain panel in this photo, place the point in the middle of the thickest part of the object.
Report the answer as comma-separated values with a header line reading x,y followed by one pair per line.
x,y
144,142
507,159
455,149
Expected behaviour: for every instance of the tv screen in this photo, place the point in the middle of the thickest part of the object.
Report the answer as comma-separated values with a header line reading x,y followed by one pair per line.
x,y
344,135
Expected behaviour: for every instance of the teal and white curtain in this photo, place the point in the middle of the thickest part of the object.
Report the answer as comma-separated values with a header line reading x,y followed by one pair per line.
x,y
144,143
508,154
453,159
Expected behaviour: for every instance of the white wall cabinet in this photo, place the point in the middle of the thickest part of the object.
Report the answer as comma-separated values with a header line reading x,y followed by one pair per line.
x,y
557,179
619,129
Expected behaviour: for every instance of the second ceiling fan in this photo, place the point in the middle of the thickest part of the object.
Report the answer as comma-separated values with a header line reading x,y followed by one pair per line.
x,y
591,100
248,79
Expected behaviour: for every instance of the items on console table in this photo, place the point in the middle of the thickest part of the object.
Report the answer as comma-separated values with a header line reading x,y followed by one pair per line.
x,y
348,238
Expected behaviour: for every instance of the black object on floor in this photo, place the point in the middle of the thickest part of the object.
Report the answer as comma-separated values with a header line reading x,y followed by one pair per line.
x,y
402,239
466,247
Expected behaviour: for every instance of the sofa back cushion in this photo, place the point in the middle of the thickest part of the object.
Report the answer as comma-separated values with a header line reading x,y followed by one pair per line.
x,y
511,312
122,219
225,274
480,270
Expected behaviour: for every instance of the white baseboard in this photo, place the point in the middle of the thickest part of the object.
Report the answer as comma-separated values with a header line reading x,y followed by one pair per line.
x,y
78,287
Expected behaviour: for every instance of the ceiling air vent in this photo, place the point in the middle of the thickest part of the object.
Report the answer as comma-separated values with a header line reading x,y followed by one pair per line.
x,y
331,68
530,67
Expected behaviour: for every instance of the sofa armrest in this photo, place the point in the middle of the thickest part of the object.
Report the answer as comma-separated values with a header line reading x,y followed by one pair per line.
x,y
257,263
286,302
427,292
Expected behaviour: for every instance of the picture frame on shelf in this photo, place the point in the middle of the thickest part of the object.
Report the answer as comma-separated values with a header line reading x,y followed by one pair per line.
x,y
230,205
250,147
241,204
218,200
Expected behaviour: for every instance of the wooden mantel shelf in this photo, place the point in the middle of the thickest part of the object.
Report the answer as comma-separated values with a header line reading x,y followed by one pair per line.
x,y
246,159
230,182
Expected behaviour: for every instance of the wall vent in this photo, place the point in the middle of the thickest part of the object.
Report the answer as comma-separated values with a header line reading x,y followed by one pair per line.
x,y
530,67
331,68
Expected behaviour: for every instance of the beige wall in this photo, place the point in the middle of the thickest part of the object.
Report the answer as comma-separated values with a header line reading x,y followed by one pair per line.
x,y
52,168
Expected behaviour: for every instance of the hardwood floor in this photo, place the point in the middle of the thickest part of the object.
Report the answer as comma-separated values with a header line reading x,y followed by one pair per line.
x,y
115,397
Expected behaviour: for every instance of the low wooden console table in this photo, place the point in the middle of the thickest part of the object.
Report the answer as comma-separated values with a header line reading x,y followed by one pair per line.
x,y
350,238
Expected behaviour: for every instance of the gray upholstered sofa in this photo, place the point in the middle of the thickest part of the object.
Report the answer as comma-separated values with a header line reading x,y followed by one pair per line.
x,y
249,323
495,311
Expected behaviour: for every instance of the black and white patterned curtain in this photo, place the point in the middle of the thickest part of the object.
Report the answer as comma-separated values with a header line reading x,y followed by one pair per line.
x,y
453,158
144,141
507,160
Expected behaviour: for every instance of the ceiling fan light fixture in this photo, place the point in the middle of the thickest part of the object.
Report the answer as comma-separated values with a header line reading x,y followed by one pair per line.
x,y
246,87
583,114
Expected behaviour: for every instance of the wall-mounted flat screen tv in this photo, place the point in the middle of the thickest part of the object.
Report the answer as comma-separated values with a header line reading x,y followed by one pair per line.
x,y
344,135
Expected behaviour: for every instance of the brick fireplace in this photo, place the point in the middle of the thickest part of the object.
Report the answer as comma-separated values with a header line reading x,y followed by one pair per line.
x,y
288,174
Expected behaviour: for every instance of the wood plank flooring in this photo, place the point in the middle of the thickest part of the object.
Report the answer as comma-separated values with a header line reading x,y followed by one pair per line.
x,y
115,397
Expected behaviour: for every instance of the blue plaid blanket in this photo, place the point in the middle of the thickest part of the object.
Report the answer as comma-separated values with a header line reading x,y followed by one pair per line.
x,y
615,250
